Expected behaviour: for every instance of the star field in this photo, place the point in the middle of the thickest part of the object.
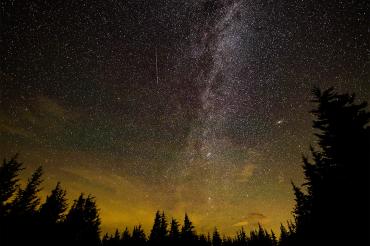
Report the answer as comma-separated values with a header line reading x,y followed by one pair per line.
x,y
198,106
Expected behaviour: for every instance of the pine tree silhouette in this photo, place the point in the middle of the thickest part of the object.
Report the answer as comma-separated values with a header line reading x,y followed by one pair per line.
x,y
241,238
203,241
9,172
337,178
54,207
26,200
274,241
188,234
23,210
174,234
126,237
216,238
105,240
51,215
82,223
159,232
163,228
138,236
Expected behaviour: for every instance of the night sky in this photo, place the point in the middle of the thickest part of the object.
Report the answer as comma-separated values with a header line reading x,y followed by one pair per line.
x,y
193,106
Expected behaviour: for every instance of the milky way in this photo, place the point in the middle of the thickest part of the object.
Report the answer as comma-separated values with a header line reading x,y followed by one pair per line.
x,y
186,106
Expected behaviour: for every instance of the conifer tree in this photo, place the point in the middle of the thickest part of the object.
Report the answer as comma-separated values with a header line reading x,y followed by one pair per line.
x,y
9,172
138,236
241,237
26,200
163,227
174,234
187,231
216,238
337,178
55,205
105,240
83,222
126,237
203,240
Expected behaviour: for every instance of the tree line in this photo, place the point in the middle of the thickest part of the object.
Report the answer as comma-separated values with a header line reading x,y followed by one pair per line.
x,y
332,207
24,221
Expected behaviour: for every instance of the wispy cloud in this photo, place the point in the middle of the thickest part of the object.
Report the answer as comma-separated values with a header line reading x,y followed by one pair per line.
x,y
14,130
34,117
252,219
50,107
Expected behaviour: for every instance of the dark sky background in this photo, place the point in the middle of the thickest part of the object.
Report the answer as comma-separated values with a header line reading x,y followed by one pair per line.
x,y
218,130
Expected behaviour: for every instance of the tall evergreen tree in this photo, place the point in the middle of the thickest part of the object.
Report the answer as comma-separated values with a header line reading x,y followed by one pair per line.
x,y
9,223
27,200
174,234
138,236
82,222
105,240
51,214
159,232
163,227
115,241
55,205
216,238
9,172
203,240
337,178
23,211
273,239
155,232
126,237
241,238
187,231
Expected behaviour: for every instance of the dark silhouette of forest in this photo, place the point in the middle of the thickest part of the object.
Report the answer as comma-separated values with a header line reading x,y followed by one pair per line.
x,y
331,207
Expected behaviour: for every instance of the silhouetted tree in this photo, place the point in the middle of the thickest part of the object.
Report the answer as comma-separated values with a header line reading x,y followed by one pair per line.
x,y
216,238
188,235
241,238
116,239
105,240
23,210
273,239
26,200
163,227
51,214
9,172
55,205
82,223
204,240
154,236
138,236
126,237
227,241
337,178
174,234
159,232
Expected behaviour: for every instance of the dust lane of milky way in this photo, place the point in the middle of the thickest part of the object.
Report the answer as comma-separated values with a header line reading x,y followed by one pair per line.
x,y
183,106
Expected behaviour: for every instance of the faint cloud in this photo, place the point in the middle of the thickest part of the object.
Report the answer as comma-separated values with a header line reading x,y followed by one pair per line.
x,y
252,219
13,130
256,216
241,223
34,117
46,106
